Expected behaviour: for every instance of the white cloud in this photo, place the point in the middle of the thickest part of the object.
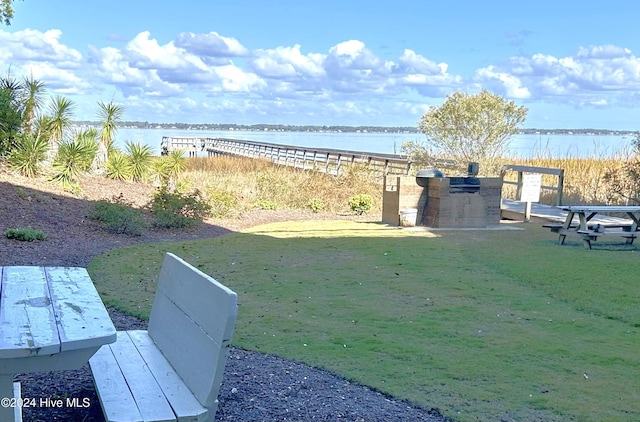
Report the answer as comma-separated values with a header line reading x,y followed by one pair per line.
x,y
210,45
510,83
579,79
234,79
210,73
34,46
287,62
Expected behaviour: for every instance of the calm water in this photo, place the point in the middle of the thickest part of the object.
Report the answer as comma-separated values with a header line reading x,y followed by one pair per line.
x,y
524,146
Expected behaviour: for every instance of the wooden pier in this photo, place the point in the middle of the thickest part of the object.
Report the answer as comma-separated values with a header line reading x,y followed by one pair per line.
x,y
331,161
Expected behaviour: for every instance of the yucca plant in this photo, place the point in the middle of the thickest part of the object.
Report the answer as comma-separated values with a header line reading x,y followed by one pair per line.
x,y
88,142
110,115
73,158
167,168
118,166
140,159
29,153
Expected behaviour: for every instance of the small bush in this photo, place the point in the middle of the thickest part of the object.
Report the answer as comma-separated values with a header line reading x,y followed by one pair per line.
x,y
222,203
361,203
266,204
25,234
315,204
177,210
119,216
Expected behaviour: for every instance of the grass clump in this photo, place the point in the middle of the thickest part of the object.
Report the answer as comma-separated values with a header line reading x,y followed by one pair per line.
x,y
25,234
119,216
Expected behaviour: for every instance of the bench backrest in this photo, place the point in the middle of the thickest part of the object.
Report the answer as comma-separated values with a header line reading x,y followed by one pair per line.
x,y
192,322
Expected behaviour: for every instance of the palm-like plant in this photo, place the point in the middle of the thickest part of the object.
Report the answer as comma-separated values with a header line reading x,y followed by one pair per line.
x,y
168,167
110,115
118,166
73,158
61,110
11,119
27,156
32,99
140,159
88,141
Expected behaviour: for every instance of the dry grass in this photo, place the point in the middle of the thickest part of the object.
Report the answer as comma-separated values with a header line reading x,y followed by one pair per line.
x,y
236,184
584,178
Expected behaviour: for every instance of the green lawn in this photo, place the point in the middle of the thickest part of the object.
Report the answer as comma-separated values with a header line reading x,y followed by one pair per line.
x,y
484,325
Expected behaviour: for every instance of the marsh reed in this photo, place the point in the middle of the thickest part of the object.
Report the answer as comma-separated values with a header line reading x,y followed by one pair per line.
x,y
236,184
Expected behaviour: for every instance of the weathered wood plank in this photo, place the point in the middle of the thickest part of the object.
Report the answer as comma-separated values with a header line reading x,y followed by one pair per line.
x,y
149,398
184,404
82,319
118,404
28,321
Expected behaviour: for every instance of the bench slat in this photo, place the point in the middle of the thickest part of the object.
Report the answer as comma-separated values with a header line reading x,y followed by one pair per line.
x,y
147,394
117,402
184,404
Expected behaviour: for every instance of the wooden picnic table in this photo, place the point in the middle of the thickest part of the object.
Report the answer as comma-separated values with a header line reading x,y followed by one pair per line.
x,y
588,233
51,318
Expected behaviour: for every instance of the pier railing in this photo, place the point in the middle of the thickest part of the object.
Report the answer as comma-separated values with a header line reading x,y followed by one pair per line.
x,y
330,161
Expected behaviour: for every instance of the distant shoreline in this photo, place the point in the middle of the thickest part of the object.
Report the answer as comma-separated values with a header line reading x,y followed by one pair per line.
x,y
339,129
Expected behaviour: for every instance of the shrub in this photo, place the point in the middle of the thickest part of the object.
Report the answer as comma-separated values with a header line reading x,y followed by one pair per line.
x,y
119,216
177,210
222,203
25,234
361,203
315,204
266,204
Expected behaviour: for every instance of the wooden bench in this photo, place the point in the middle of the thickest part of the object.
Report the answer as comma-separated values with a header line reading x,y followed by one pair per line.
x,y
172,371
556,227
589,235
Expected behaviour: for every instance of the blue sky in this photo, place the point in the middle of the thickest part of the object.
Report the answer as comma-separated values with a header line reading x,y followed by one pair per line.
x,y
572,63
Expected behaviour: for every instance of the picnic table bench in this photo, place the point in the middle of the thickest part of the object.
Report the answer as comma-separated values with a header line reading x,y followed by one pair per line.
x,y
173,370
589,231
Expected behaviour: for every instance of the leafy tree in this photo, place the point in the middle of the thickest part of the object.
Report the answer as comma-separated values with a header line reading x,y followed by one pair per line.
x,y
469,128
6,11
110,115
